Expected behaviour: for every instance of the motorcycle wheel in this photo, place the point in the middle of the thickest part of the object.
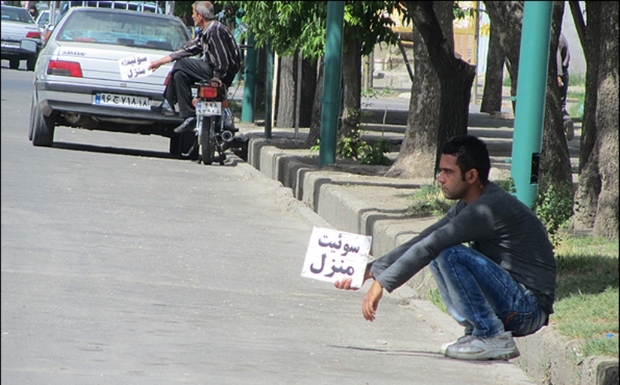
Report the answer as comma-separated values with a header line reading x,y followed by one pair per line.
x,y
207,142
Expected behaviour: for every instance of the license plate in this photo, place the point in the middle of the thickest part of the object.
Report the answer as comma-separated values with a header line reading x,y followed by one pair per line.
x,y
209,108
10,44
116,100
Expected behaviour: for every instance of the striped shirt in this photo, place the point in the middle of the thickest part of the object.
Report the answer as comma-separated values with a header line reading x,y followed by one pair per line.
x,y
218,47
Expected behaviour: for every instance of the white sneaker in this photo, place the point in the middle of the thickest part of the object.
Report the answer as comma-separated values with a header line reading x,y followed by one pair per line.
x,y
500,347
459,340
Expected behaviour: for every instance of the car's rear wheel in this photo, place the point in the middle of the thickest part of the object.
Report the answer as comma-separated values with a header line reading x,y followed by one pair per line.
x,y
174,149
30,63
180,144
41,127
13,64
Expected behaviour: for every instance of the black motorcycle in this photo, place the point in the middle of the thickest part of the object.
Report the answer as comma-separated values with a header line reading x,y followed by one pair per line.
x,y
215,128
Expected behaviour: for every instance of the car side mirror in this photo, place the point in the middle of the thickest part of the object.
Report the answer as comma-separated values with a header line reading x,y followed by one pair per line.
x,y
29,45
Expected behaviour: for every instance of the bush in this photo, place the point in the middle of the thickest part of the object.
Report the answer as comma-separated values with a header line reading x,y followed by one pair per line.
x,y
554,208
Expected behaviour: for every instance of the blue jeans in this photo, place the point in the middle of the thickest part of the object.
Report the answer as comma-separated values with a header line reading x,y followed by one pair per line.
x,y
483,297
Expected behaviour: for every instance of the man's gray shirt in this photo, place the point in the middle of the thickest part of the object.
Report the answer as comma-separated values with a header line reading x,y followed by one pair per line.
x,y
497,225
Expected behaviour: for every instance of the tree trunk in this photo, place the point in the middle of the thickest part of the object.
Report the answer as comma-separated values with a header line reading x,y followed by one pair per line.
x,y
285,116
308,87
508,16
441,92
555,167
419,147
317,107
494,77
606,222
352,89
287,94
261,70
586,198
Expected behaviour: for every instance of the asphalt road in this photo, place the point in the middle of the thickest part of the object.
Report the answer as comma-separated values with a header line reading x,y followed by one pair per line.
x,y
122,265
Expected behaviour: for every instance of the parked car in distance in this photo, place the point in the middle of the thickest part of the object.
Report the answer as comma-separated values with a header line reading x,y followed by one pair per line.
x,y
17,25
78,82
44,18
46,26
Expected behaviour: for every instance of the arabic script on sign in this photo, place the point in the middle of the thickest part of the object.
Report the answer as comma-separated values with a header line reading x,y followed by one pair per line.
x,y
333,255
132,67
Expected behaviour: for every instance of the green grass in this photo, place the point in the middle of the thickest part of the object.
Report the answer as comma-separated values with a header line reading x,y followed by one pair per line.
x,y
575,110
577,79
586,304
429,201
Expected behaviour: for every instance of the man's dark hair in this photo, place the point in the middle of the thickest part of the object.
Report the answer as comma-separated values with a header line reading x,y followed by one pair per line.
x,y
470,152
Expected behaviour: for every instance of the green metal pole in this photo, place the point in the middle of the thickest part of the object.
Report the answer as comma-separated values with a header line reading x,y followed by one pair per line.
x,y
531,90
268,90
249,85
331,83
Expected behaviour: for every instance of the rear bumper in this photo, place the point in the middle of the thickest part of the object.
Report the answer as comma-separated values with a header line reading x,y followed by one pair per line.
x,y
69,100
79,99
17,53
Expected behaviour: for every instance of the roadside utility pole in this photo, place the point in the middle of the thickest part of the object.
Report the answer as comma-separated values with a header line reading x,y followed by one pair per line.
x,y
530,104
331,83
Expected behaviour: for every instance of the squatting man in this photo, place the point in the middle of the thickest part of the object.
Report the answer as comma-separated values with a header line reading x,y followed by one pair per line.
x,y
501,285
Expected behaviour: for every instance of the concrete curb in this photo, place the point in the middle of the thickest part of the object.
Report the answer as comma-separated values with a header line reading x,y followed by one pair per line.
x,y
328,198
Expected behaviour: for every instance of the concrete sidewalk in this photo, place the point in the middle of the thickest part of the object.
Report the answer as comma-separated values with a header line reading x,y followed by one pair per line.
x,y
359,199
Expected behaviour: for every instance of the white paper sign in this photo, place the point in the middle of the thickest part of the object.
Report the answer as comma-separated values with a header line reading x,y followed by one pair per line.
x,y
333,255
132,67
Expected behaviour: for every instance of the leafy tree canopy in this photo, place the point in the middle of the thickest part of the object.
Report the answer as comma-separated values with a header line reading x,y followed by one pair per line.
x,y
292,25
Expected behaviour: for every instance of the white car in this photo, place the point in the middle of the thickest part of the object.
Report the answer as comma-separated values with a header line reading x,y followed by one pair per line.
x,y
44,19
83,77
17,26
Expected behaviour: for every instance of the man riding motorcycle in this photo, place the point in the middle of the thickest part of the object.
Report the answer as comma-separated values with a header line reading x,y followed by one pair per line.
x,y
219,63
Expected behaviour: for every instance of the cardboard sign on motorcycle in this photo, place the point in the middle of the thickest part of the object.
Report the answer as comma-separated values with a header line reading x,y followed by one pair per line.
x,y
333,255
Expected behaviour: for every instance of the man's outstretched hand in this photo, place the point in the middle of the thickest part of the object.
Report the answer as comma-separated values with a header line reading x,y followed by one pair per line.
x,y
372,297
345,284
155,64
371,301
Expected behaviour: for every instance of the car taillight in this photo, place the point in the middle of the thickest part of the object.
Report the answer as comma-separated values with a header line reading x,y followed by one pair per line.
x,y
64,68
33,35
47,34
207,92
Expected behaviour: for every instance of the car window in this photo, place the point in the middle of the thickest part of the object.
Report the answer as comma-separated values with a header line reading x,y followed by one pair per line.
x,y
130,29
44,18
130,5
16,14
